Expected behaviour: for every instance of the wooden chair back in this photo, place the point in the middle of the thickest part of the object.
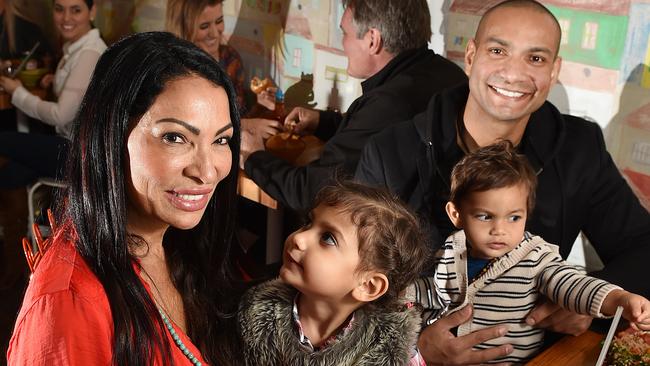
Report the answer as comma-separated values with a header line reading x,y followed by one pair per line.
x,y
33,254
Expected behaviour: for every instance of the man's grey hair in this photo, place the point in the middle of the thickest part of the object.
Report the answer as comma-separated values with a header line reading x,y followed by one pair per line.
x,y
403,24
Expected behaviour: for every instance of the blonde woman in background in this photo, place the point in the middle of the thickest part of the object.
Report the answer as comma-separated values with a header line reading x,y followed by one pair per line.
x,y
201,22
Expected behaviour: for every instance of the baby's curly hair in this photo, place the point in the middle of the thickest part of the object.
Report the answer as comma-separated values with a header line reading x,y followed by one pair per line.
x,y
494,166
391,238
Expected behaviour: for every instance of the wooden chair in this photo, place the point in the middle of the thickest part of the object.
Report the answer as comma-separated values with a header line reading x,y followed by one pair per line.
x,y
41,182
34,253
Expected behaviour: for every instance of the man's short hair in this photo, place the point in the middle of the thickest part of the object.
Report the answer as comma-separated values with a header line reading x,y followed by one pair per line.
x,y
492,167
403,24
530,4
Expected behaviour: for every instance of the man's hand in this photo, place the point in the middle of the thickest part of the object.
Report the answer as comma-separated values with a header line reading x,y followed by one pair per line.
x,y
260,127
552,317
302,121
439,346
253,134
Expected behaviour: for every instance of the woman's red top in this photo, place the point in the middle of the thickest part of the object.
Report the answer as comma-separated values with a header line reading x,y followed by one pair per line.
x,y
65,318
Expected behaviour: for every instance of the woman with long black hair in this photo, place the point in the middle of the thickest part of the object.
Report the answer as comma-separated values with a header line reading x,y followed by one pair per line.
x,y
138,270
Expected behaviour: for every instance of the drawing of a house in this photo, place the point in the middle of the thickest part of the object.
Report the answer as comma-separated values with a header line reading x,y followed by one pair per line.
x,y
635,152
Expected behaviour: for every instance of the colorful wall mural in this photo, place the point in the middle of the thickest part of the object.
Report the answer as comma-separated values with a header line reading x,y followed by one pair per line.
x,y
605,48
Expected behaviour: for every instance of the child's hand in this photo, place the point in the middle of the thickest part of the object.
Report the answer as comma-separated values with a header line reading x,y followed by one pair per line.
x,y
637,311
636,308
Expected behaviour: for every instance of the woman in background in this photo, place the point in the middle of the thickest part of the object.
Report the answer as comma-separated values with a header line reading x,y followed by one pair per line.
x,y
81,50
24,157
31,155
138,271
201,22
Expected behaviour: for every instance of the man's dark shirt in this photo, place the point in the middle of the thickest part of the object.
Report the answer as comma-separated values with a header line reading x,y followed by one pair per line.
x,y
396,93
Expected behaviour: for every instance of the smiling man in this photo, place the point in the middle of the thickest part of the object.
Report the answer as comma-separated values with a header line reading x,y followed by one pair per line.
x,y
512,63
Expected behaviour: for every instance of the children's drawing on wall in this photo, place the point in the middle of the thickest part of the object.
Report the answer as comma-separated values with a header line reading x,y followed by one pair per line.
x,y
149,15
118,18
335,34
439,24
248,38
115,18
301,94
334,90
310,19
278,39
559,97
256,30
297,43
629,135
461,30
289,40
299,57
591,48
267,10
629,132
635,152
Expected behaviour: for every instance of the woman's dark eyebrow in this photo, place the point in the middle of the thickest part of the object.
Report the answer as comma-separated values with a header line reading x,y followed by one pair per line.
x,y
224,128
188,126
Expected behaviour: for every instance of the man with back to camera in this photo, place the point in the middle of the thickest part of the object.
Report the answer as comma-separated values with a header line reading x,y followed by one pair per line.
x,y
385,42
512,62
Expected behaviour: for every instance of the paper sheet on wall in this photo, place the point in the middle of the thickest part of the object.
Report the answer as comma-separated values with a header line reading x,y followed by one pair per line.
x,y
335,34
231,7
150,15
333,88
299,57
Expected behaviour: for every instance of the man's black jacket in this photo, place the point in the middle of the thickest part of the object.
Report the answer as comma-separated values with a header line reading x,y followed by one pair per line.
x,y
580,188
398,92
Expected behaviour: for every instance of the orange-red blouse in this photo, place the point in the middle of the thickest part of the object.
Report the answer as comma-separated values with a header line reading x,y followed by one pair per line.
x,y
65,318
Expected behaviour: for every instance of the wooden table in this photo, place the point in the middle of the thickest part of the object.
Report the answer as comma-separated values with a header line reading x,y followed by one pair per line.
x,y
248,189
582,350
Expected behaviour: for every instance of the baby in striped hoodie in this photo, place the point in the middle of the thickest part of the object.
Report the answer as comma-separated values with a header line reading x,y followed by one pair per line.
x,y
502,270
